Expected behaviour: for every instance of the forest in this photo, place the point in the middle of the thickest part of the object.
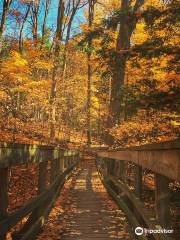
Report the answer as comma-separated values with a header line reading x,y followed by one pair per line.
x,y
96,72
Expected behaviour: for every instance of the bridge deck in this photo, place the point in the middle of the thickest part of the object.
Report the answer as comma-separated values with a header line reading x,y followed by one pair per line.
x,y
93,214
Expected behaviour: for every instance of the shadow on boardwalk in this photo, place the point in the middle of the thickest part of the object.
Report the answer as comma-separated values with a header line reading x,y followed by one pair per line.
x,y
93,214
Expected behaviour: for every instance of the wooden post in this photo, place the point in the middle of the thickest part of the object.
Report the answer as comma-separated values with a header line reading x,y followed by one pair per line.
x,y
102,163
65,162
58,166
42,176
72,160
162,198
42,185
109,166
138,181
53,170
113,167
69,161
121,170
3,195
62,164
117,167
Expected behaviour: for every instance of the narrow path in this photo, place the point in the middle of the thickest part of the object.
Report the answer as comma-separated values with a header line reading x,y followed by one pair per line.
x,y
85,211
93,215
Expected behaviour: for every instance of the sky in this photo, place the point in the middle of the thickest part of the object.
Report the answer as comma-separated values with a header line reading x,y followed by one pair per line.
x,y
13,27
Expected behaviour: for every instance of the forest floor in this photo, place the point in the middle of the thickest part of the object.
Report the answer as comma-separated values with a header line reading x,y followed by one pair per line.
x,y
16,131
134,132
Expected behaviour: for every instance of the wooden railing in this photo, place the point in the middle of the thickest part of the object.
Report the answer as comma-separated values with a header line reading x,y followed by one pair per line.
x,y
62,162
124,172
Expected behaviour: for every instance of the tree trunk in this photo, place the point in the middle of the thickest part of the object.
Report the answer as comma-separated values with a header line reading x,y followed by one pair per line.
x,y
127,25
89,83
48,2
58,39
35,13
22,28
53,103
6,5
89,102
117,83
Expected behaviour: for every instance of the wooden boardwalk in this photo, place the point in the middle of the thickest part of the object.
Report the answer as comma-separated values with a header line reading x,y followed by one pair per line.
x,y
94,215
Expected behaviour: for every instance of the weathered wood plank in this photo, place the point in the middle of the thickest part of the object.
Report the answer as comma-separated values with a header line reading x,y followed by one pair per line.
x,y
162,199
165,162
138,181
18,154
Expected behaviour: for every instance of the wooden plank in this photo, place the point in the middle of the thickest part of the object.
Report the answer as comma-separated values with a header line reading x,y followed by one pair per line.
x,y
162,196
122,170
165,162
61,164
42,177
11,155
18,154
53,171
138,181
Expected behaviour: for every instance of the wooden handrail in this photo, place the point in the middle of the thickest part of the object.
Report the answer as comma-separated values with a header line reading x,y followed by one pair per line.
x,y
18,154
162,158
62,161
164,162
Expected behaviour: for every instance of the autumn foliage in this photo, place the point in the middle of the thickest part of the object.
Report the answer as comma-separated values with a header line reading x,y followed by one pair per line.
x,y
44,73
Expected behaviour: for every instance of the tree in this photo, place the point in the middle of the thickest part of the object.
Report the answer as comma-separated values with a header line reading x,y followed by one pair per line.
x,y
126,25
89,40
58,39
25,17
34,19
47,5
6,5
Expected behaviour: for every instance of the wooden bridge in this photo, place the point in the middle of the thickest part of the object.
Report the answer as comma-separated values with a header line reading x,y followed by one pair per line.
x,y
142,181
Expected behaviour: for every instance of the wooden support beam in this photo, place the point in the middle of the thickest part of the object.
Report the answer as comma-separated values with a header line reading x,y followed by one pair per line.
x,y
138,181
61,164
65,162
105,165
121,170
117,169
3,196
69,161
42,177
53,171
162,198
112,167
